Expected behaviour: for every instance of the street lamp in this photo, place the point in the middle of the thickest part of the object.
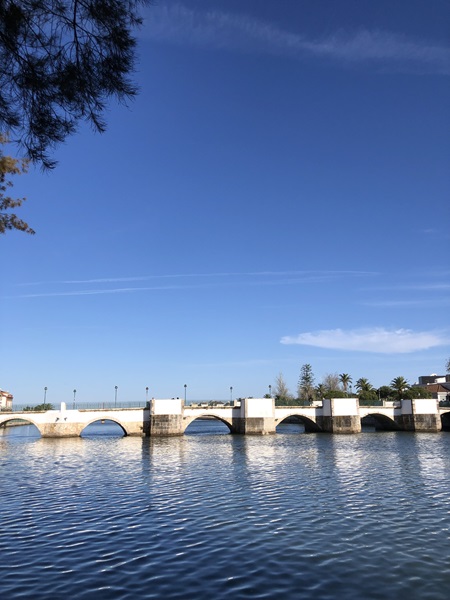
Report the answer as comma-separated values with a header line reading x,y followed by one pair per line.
x,y
74,394
231,393
115,396
146,395
45,396
185,386
270,391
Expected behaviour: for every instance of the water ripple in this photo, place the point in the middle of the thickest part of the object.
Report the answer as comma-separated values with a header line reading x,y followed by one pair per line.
x,y
310,516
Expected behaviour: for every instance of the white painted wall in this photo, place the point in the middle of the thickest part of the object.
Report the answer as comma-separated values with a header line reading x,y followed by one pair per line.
x,y
425,406
407,407
123,416
258,407
326,404
173,406
339,407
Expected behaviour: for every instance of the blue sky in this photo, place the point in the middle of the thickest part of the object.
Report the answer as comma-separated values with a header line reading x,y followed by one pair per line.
x,y
277,194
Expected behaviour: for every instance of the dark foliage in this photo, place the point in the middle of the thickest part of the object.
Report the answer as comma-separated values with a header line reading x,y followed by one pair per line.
x,y
40,407
368,398
10,166
60,61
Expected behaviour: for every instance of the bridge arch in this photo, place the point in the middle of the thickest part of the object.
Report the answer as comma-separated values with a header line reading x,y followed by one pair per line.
x,y
379,421
309,425
188,420
100,419
24,419
445,421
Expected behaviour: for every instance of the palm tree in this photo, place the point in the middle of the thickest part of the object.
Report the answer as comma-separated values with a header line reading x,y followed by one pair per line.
x,y
363,385
399,385
345,380
321,390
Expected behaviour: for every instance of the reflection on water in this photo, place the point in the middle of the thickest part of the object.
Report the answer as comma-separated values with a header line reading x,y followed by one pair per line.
x,y
208,515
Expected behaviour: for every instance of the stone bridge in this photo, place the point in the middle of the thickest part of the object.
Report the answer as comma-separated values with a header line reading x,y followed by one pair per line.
x,y
252,416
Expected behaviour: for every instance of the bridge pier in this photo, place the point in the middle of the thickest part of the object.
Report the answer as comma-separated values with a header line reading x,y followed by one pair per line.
x,y
421,414
60,430
340,415
166,417
257,417
61,426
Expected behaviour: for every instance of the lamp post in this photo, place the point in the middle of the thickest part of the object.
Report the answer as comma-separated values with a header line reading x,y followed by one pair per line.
x,y
115,396
270,391
231,393
146,395
185,386
45,396
74,394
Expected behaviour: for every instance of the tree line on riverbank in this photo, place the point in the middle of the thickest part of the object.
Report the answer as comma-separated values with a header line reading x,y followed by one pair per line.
x,y
334,385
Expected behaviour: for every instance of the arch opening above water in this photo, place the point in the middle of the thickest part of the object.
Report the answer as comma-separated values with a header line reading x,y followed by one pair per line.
x,y
297,424
208,425
378,422
445,421
19,427
103,428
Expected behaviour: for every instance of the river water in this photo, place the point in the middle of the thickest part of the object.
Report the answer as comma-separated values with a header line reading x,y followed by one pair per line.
x,y
217,516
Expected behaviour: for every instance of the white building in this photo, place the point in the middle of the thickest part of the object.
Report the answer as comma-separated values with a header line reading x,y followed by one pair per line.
x,y
437,385
6,400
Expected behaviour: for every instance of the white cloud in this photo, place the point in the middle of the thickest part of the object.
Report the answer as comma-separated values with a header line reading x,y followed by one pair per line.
x,y
396,341
181,25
